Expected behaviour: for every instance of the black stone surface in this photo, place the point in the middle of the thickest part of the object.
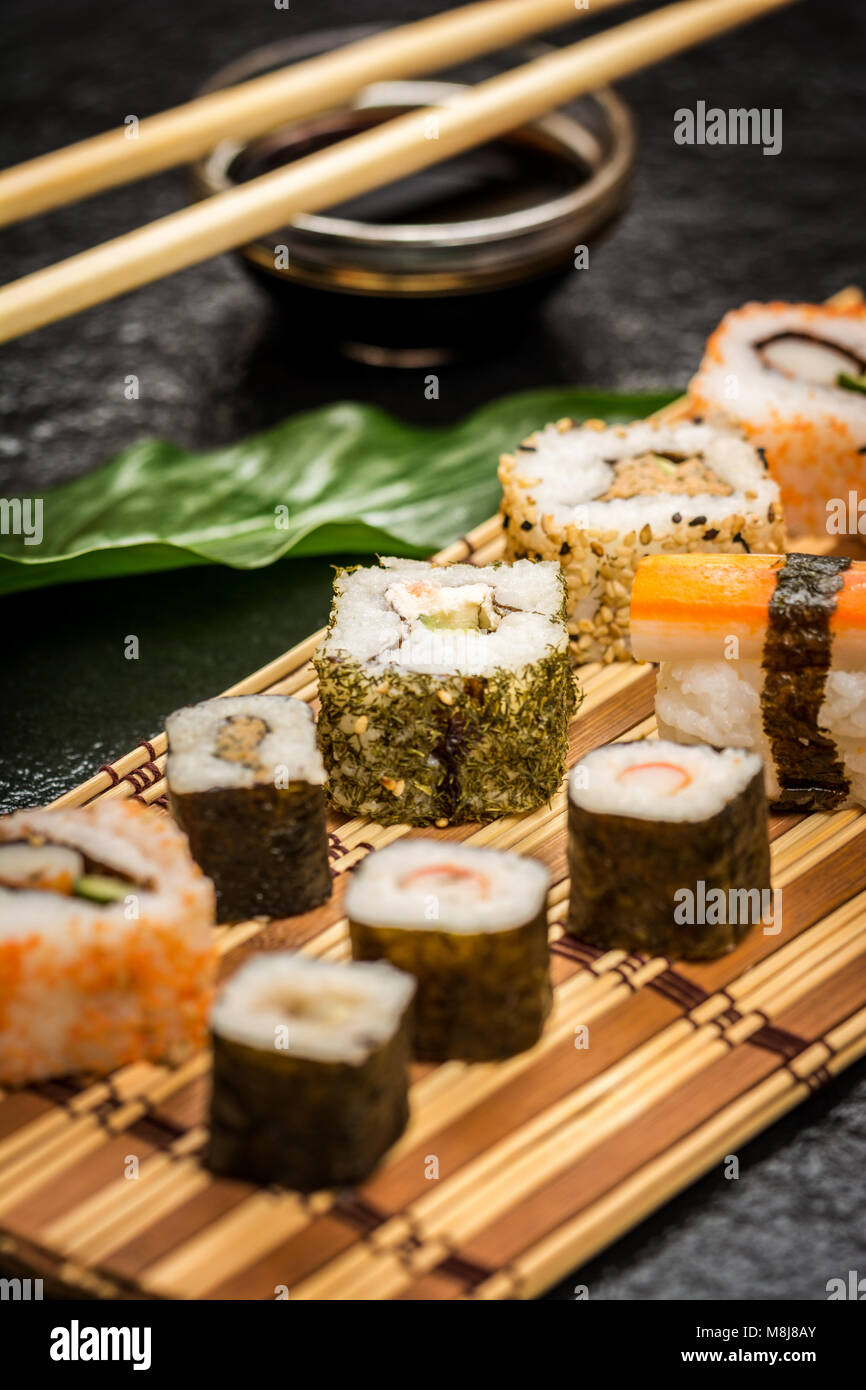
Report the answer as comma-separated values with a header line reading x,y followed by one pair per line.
x,y
707,229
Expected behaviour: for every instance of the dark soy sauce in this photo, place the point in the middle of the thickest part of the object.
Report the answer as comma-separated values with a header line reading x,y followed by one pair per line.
x,y
507,175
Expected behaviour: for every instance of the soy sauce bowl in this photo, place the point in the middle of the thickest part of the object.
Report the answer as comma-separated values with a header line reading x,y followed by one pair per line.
x,y
446,262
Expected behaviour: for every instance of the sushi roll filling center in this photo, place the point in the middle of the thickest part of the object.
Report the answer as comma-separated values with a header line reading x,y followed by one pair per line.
x,y
38,865
806,357
665,779
467,607
239,740
650,473
450,881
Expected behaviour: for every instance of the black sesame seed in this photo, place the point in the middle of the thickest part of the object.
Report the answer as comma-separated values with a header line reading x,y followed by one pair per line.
x,y
771,513
505,521
529,448
743,543
697,419
862,449
711,534
565,548
762,455
677,518
526,525
698,521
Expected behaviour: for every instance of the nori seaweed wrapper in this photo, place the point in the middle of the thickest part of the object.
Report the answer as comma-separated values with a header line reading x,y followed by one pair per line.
x,y
625,872
454,748
796,659
265,847
302,1123
481,995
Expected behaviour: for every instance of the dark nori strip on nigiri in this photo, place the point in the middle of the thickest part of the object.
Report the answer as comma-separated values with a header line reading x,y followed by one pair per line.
x,y
265,847
304,1123
796,659
481,995
626,871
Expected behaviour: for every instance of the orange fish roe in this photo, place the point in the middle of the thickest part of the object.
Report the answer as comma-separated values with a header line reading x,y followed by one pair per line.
x,y
88,986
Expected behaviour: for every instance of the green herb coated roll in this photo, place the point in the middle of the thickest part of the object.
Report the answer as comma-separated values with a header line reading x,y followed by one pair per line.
x,y
471,926
668,848
445,690
245,781
310,1079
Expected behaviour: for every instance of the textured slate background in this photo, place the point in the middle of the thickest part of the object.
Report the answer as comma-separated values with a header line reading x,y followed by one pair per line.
x,y
707,229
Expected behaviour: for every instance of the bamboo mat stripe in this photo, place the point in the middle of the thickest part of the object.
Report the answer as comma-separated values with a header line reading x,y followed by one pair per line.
x,y
541,1160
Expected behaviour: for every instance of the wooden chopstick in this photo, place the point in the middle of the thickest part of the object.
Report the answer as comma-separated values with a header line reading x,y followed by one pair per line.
x,y
263,103
366,161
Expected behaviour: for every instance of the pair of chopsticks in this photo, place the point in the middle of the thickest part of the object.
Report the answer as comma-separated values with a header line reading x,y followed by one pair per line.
x,y
401,146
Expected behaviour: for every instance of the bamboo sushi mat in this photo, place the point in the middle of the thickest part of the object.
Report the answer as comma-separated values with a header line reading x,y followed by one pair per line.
x,y
510,1174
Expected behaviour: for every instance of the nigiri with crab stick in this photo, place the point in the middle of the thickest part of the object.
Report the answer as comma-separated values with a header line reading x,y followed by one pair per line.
x,y
763,652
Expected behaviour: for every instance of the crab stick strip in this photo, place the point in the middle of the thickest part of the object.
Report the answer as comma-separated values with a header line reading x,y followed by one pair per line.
x,y
711,607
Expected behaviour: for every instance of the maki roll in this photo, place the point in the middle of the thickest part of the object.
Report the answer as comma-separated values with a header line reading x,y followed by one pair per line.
x,y
668,848
471,926
106,954
767,653
245,781
445,690
310,1081
596,499
793,376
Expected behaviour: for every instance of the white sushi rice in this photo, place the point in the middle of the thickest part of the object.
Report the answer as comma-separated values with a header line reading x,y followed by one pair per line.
x,y
719,702
526,599
491,890
322,1010
600,782
289,746
571,470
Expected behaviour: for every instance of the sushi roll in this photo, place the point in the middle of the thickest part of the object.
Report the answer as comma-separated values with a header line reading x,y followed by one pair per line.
x,y
106,954
471,926
310,1080
763,652
246,783
656,832
596,499
793,376
445,690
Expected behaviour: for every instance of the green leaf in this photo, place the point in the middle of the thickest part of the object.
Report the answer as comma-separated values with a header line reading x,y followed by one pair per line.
x,y
350,478
852,383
